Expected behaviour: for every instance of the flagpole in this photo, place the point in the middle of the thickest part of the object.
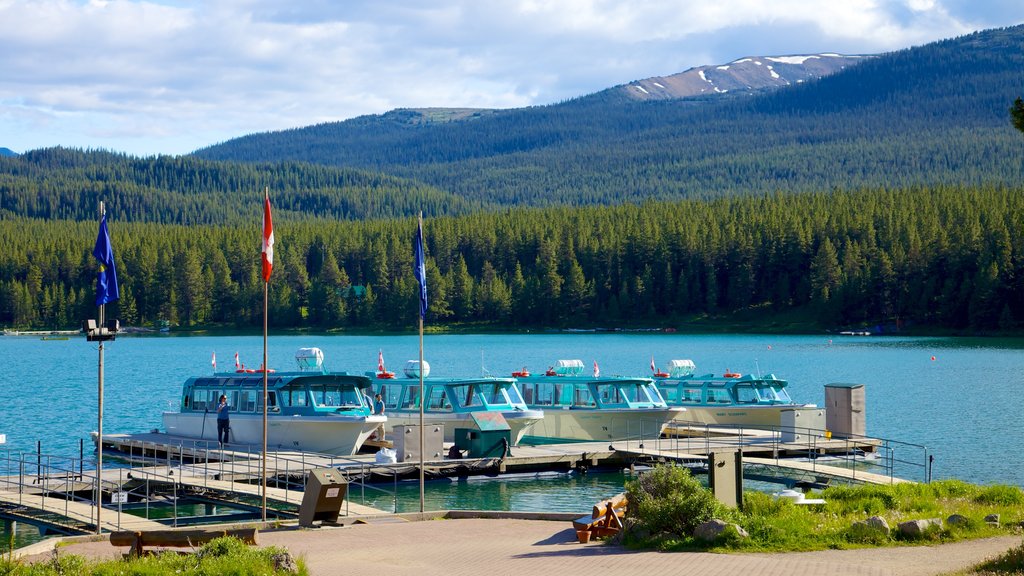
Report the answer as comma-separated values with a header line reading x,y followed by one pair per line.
x,y
266,283
99,427
422,399
99,418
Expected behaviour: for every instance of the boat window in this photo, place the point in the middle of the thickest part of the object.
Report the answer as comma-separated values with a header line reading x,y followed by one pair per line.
x,y
582,397
650,393
496,394
513,395
746,394
391,395
546,393
271,402
469,395
438,400
689,396
717,394
782,395
294,395
411,398
247,400
330,394
610,395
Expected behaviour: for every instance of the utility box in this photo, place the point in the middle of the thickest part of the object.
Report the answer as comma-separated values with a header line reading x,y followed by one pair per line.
x,y
725,477
845,410
799,424
492,437
406,439
325,492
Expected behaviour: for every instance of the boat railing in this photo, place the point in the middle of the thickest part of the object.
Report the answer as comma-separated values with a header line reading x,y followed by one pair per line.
x,y
894,459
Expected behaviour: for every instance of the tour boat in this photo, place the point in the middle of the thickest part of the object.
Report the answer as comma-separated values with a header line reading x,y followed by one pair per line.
x,y
580,407
452,401
310,409
733,399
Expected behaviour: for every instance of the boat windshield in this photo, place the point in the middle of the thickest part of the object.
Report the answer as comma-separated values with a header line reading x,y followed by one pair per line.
x,y
331,394
482,394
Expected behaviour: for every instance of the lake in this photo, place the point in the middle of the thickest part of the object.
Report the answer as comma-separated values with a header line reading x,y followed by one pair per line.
x,y
961,397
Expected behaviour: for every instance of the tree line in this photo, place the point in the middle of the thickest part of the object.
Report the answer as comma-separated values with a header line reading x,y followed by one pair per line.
x,y
947,257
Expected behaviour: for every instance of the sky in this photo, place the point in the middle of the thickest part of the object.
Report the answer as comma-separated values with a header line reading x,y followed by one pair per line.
x,y
172,76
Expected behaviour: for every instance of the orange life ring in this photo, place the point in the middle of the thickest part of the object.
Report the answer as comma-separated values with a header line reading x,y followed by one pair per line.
x,y
551,373
731,375
385,375
520,373
661,375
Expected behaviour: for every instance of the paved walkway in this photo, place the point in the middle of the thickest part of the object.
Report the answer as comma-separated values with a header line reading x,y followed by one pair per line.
x,y
498,547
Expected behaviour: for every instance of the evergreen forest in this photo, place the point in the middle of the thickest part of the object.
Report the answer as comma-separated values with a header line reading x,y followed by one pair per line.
x,y
928,257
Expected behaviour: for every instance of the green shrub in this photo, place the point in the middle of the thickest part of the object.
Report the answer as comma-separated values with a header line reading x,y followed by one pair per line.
x,y
1000,494
668,502
221,557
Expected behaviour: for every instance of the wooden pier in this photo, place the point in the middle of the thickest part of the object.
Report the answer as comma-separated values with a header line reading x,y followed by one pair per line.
x,y
200,471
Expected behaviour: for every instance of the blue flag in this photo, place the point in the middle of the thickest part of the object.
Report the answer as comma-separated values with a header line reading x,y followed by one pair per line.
x,y
421,269
106,280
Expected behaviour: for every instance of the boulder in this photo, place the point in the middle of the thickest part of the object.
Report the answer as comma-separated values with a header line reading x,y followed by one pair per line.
x,y
713,529
879,524
992,520
913,529
873,529
958,520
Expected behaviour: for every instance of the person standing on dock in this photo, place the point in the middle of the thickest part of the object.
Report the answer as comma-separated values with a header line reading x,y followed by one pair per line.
x,y
378,408
223,424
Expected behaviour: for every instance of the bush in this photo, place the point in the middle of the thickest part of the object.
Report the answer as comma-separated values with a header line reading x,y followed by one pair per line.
x,y
669,502
1000,494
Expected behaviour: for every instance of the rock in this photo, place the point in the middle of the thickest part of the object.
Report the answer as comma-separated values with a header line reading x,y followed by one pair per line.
x,y
873,529
958,520
992,519
913,529
878,523
284,562
713,529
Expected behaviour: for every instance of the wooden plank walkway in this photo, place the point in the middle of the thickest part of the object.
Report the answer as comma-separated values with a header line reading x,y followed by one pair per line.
x,y
79,512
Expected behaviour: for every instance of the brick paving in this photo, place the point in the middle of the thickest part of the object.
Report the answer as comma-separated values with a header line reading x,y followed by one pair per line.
x,y
485,547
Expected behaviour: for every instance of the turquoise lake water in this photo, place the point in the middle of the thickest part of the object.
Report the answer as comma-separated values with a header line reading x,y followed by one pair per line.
x,y
962,398
965,405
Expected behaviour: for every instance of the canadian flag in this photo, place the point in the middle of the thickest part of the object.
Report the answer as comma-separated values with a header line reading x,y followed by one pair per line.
x,y
380,361
213,360
237,365
597,371
653,366
268,240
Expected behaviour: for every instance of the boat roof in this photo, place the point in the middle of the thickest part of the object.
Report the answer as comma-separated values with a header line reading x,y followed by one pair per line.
x,y
280,379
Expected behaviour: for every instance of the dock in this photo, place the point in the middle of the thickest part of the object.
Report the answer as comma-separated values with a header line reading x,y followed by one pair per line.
x,y
160,469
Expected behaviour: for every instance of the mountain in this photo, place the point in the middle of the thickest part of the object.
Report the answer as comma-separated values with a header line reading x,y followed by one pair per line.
x,y
933,114
746,75
7,152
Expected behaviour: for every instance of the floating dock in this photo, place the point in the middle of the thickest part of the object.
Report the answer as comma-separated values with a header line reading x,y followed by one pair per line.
x,y
160,467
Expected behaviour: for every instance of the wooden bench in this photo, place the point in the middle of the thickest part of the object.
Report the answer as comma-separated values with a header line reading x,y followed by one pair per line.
x,y
604,520
177,538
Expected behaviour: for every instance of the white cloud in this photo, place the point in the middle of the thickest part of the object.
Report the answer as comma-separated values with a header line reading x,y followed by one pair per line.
x,y
171,76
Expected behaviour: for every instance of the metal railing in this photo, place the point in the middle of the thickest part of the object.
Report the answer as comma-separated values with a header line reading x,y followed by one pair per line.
x,y
895,459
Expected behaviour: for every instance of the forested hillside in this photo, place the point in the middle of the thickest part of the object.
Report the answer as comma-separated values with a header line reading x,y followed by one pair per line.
x,y
64,184
935,114
946,257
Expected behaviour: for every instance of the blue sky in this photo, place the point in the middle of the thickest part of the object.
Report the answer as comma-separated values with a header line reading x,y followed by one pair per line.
x,y
171,76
